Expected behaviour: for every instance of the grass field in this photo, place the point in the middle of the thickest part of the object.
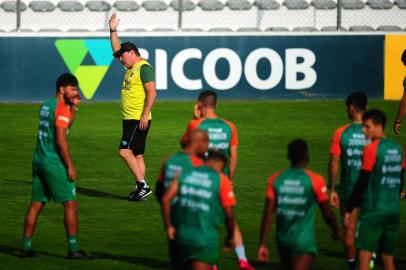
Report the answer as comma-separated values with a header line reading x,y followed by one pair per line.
x,y
127,235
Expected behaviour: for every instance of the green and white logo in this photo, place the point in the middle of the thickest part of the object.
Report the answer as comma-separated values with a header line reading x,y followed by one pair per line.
x,y
74,52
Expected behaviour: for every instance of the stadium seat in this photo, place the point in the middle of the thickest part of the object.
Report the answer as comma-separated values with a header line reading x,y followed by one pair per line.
x,y
49,30
296,4
380,4
389,28
210,5
135,30
353,4
42,6
361,28
401,3
78,30
126,6
98,6
324,4
11,6
277,29
249,29
195,29
154,5
332,29
187,5
220,29
70,6
239,4
267,4
305,29
163,30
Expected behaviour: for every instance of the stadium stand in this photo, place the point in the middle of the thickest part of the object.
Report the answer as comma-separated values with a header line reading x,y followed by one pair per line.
x,y
234,15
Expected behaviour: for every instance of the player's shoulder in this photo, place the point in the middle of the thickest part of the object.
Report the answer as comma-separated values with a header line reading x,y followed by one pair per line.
x,y
314,175
341,129
372,145
195,122
228,122
275,175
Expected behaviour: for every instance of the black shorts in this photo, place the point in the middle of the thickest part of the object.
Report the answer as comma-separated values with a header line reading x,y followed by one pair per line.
x,y
133,138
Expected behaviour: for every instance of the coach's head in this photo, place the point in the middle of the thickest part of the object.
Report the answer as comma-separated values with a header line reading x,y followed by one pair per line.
x,y
67,88
298,153
128,54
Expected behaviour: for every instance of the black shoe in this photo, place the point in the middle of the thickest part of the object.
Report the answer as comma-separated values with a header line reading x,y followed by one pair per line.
x,y
140,194
78,255
27,254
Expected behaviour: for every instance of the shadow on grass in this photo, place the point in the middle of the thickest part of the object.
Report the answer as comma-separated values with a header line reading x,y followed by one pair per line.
x,y
331,253
12,251
81,190
142,261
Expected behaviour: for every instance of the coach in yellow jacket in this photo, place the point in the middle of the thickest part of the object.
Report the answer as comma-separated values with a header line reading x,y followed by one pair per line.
x,y
137,98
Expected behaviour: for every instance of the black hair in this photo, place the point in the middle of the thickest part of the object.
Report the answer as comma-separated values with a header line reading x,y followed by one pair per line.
x,y
358,100
208,98
404,57
298,151
378,117
66,79
217,156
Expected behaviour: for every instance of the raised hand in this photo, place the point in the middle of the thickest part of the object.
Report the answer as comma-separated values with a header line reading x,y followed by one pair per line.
x,y
113,22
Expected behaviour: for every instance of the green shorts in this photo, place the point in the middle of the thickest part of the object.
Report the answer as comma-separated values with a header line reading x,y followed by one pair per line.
x,y
377,233
52,182
181,254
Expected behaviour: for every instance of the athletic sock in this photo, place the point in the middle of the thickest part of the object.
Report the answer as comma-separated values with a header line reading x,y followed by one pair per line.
x,y
141,184
73,243
27,241
240,251
352,264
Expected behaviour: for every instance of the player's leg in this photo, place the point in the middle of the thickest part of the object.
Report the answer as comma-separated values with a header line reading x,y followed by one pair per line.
x,y
132,163
240,249
388,262
302,262
364,257
198,265
349,240
40,195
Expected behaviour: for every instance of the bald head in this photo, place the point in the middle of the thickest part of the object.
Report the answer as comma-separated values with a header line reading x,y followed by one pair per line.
x,y
198,142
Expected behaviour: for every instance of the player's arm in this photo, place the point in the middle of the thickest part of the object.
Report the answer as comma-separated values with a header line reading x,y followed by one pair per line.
x,y
113,24
150,96
266,226
63,150
229,216
401,113
166,208
332,176
233,160
330,219
356,195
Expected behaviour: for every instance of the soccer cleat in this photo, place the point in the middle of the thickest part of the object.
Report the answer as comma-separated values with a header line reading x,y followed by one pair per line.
x,y
245,265
27,254
140,194
78,255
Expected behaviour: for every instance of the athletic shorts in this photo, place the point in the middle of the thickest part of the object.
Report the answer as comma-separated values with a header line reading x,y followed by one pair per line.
x,y
52,182
378,233
181,254
296,249
133,138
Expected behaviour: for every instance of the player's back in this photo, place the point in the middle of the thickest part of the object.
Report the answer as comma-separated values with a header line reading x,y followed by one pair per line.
x,y
176,163
295,200
351,147
199,212
46,152
382,196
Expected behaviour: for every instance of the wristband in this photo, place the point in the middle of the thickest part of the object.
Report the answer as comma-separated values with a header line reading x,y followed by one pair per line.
x,y
113,30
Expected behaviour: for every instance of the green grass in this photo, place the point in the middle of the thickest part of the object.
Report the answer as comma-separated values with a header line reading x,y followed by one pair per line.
x,y
124,235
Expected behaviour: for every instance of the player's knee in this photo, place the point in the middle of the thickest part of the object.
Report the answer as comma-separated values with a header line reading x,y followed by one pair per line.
x,y
70,205
125,153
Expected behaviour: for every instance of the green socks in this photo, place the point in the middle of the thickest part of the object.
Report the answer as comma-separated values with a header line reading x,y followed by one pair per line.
x,y
27,241
73,243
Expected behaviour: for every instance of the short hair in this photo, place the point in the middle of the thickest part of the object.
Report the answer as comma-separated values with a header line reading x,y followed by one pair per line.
x,y
403,58
216,156
208,98
297,151
66,79
377,116
358,100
